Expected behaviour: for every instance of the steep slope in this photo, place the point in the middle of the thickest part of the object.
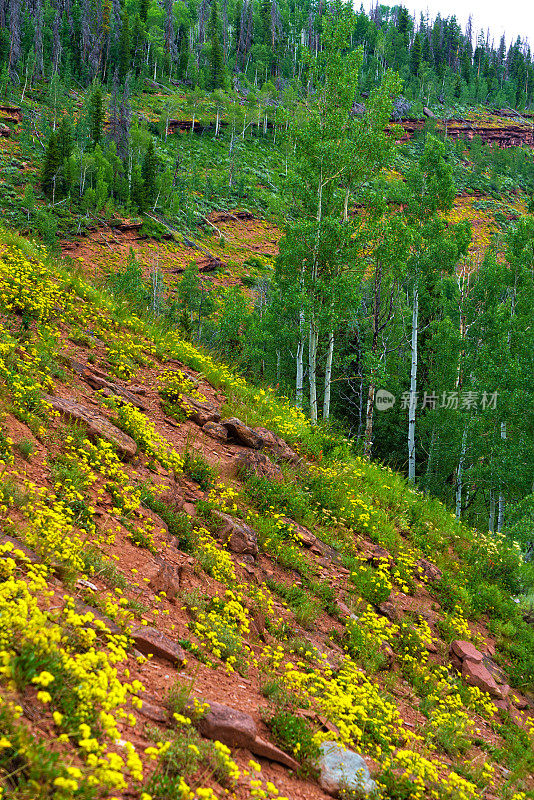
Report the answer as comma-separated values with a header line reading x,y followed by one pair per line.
x,y
174,537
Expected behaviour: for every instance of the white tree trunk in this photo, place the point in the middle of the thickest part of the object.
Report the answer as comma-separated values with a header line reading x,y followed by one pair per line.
x,y
500,515
459,475
413,388
312,365
491,521
299,383
328,375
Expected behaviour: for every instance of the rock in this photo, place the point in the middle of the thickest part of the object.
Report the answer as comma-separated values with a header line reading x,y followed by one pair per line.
x,y
239,536
476,674
150,641
166,580
389,611
377,555
428,113
27,552
244,435
496,672
344,610
343,769
216,431
258,464
307,538
97,425
228,725
199,412
428,570
519,701
276,446
136,389
264,749
154,713
463,650
237,729
83,608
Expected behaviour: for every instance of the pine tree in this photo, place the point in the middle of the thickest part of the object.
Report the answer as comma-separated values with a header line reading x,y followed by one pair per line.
x,y
143,9
148,173
96,114
124,47
217,76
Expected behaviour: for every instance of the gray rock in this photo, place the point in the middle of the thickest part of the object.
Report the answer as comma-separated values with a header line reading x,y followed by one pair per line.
x,y
344,769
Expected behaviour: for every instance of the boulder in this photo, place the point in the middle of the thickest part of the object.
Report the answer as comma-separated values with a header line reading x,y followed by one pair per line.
x,y
228,725
476,674
388,610
242,433
342,769
463,650
216,431
258,464
307,538
236,728
150,641
166,580
428,570
199,412
154,712
97,425
239,537
276,446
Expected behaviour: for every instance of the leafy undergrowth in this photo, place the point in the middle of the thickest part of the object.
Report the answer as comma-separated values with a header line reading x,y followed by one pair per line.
x,y
275,633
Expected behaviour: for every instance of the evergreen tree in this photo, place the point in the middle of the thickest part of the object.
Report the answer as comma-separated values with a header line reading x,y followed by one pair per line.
x,y
96,114
148,174
216,61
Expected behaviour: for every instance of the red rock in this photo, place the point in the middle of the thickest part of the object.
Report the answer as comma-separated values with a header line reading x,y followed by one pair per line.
x,y
199,412
476,674
277,446
150,641
244,435
464,650
307,538
216,431
389,611
257,464
154,713
429,570
27,552
264,749
97,425
239,536
228,725
166,580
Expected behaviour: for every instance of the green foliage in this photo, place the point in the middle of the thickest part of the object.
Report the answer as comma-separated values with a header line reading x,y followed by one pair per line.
x,y
295,735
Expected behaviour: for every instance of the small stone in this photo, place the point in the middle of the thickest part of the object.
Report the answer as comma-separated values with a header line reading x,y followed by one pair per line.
x,y
264,749
150,641
389,611
342,769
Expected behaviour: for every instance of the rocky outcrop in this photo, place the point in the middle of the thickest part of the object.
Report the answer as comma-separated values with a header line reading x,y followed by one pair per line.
x,y
166,581
242,433
237,535
236,728
102,382
276,446
258,464
478,670
97,425
344,770
198,412
216,431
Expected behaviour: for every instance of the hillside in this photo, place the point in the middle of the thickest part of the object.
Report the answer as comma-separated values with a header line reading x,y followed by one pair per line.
x,y
175,537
